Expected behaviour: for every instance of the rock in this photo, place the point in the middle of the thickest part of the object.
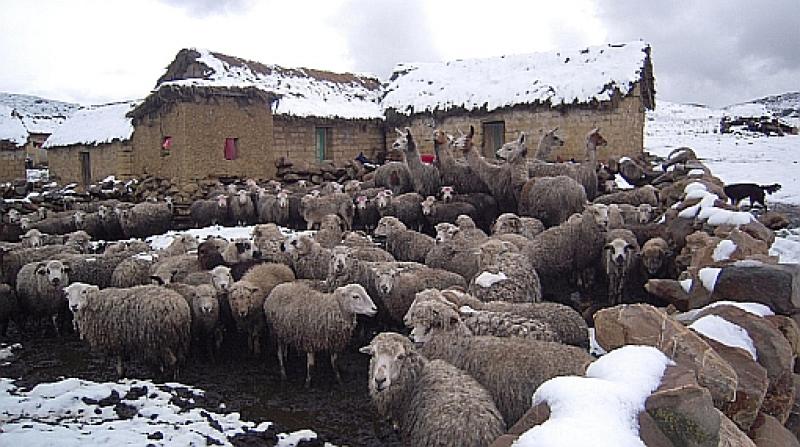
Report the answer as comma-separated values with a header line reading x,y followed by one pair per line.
x,y
768,432
730,435
683,410
775,354
673,293
793,422
777,286
751,386
642,324
774,220
790,330
650,433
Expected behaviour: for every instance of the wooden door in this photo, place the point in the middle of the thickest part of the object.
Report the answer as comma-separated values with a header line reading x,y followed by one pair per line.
x,y
322,143
494,136
86,169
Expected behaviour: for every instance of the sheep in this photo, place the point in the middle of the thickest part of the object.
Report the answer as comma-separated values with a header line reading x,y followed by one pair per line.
x,y
432,402
405,207
267,239
39,290
485,203
273,208
91,223
174,269
364,249
95,269
144,219
219,277
424,177
79,241
133,271
510,368
331,231
12,261
637,196
206,327
395,177
150,323
309,259
455,173
366,213
469,230
8,307
658,259
346,267
510,223
567,324
181,245
209,253
397,288
497,177
506,275
551,199
440,212
110,223
242,210
453,252
129,246
315,208
239,250
311,321
51,225
402,243
618,261
209,212
32,238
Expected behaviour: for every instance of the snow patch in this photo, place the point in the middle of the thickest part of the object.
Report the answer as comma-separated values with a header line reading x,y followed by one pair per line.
x,y
725,332
708,277
11,128
686,284
487,279
594,348
724,250
786,247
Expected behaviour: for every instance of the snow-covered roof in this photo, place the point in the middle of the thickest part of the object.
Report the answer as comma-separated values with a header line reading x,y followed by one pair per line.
x,y
95,125
39,115
563,77
11,128
301,92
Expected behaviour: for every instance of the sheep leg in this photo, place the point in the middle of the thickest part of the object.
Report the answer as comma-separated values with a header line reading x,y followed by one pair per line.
x,y
335,369
281,357
120,367
54,319
309,366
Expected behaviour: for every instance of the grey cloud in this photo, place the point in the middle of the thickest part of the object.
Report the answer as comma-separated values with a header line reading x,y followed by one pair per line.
x,y
717,52
204,8
381,34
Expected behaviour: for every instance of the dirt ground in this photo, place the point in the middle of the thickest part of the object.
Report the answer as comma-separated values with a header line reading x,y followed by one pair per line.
x,y
342,415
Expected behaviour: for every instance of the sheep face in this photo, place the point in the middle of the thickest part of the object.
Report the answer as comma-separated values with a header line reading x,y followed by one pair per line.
x,y
244,249
339,260
222,201
206,299
332,222
13,216
41,212
427,205
618,251
55,272
383,199
32,239
645,213
654,254
241,297
25,223
103,212
243,197
283,199
385,280
231,189
77,294
355,299
507,223
445,232
602,212
221,278
388,351
490,251
388,225
361,202
447,193
426,317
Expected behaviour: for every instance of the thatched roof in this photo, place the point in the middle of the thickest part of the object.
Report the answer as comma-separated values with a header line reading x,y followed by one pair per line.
x,y
297,92
591,76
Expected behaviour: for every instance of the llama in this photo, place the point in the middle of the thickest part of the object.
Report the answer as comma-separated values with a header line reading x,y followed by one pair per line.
x,y
424,177
453,172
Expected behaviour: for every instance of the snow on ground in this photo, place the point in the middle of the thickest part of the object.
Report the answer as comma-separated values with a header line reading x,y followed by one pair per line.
x,y
725,332
162,241
600,409
787,246
75,412
731,157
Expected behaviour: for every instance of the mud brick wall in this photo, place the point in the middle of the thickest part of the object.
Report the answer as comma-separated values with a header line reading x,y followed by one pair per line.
x,y
65,162
12,165
295,138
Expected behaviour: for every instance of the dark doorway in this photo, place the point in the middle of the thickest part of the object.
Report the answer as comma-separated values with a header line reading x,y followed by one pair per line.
x,y
86,169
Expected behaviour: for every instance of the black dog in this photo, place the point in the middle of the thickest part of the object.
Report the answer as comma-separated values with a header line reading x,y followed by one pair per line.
x,y
738,191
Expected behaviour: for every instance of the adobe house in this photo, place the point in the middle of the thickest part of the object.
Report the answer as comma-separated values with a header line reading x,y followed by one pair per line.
x,y
609,86
13,137
216,115
40,117
92,144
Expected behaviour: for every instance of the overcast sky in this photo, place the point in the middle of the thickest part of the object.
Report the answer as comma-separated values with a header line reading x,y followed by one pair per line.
x,y
704,51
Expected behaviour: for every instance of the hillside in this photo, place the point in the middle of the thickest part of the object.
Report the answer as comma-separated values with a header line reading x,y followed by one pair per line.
x,y
38,115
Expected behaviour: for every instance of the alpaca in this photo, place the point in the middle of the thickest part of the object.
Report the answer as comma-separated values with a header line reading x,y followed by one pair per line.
x,y
587,170
424,177
453,172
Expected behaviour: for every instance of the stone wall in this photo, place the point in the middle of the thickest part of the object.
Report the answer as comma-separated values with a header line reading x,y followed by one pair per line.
x,y
198,130
295,138
12,165
65,162
622,124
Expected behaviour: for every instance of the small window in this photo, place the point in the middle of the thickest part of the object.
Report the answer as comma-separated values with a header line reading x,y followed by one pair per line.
x,y
231,148
166,146
323,139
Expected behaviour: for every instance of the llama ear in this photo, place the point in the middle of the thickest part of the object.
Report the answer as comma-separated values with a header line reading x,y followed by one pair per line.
x,y
399,132
521,139
367,350
471,131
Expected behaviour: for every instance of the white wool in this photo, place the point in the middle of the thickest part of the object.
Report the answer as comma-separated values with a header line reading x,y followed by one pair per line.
x,y
725,332
487,279
686,284
724,250
601,409
94,125
708,276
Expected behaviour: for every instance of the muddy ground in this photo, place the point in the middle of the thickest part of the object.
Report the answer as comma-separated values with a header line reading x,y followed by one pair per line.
x,y
342,415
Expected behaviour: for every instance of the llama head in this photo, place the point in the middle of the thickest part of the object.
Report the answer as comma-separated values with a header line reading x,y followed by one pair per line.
x,y
464,142
514,150
401,142
594,139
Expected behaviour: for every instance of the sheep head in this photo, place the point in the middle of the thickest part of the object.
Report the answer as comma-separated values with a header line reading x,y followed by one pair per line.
x,y
41,212
77,293
340,258
221,278
361,202
507,223
32,239
13,216
332,222
447,193
353,299
389,225
384,279
445,232
384,198
427,205
243,197
206,299
426,318
464,222
244,298
392,357
654,254
618,251
55,272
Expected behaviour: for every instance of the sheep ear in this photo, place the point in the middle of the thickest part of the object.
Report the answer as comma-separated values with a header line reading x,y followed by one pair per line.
x,y
157,280
40,268
367,350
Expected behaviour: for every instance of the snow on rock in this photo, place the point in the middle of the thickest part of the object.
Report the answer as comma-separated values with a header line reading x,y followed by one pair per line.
x,y
11,127
7,353
564,77
38,115
787,246
602,408
708,277
724,250
70,413
302,92
94,125
487,279
686,284
725,332
757,309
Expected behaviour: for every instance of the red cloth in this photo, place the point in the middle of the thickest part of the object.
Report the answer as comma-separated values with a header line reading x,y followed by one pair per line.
x,y
427,158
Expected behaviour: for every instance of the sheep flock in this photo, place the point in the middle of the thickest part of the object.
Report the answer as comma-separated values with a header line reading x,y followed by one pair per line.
x,y
468,282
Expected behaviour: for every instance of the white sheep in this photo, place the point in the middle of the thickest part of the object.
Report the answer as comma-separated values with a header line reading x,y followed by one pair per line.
x,y
453,252
39,290
620,257
309,259
150,323
181,245
402,243
242,210
505,275
432,402
310,321
398,287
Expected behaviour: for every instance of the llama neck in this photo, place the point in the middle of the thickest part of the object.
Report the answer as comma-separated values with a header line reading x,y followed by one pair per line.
x,y
591,153
411,156
544,147
442,152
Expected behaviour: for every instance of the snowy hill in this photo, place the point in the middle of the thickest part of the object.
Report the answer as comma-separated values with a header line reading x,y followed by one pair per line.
x,y
38,115
785,106
735,158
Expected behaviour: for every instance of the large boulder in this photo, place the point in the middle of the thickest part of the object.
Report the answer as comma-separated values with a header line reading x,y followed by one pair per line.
x,y
731,436
769,432
642,324
793,422
777,286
